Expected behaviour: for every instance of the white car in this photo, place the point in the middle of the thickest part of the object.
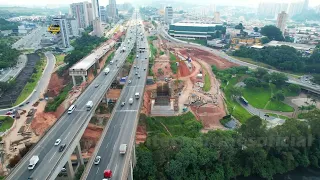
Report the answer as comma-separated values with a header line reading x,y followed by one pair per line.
x,y
97,160
129,81
58,141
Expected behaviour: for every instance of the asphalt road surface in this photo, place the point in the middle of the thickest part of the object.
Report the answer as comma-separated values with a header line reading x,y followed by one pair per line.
x,y
122,127
68,125
13,72
31,40
41,86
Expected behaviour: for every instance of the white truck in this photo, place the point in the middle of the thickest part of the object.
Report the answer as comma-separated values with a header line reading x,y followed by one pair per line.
x,y
89,105
130,101
123,148
137,95
33,161
106,71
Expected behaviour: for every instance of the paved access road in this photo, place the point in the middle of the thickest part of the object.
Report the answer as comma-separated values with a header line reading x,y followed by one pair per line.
x,y
41,86
13,72
123,123
31,40
69,125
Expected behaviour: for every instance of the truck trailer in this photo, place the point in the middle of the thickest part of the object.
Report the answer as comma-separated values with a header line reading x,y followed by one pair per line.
x,y
33,162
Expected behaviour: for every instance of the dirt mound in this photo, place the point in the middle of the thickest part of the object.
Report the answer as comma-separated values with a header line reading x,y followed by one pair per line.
x,y
90,137
184,70
141,134
42,121
208,57
146,108
209,115
55,85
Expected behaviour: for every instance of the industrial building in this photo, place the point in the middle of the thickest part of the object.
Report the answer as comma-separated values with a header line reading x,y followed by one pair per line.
x,y
194,30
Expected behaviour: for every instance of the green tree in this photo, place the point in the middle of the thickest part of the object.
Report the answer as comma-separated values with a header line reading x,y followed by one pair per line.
x,y
278,78
145,168
294,88
272,32
256,29
265,40
252,82
279,96
260,72
239,26
235,92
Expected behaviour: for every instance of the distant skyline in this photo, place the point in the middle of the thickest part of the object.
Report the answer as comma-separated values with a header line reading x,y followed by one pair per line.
x,y
250,3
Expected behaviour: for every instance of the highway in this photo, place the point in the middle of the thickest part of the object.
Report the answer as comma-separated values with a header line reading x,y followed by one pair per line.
x,y
292,78
70,127
122,124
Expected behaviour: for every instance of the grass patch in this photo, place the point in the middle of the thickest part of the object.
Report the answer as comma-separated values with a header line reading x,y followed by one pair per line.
x,y
184,125
131,57
52,105
279,106
257,97
32,82
161,53
59,59
207,83
6,123
173,64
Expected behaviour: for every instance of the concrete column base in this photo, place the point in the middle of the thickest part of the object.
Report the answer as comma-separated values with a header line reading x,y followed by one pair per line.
x,y
79,155
69,169
74,81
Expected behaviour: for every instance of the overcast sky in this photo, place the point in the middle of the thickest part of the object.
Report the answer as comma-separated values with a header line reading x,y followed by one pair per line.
x,y
251,3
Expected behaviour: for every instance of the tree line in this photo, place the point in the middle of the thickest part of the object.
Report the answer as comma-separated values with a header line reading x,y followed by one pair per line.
x,y
8,56
283,58
252,149
7,25
82,47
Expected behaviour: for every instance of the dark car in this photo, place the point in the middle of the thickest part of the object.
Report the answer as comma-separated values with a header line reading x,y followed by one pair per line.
x,y
62,147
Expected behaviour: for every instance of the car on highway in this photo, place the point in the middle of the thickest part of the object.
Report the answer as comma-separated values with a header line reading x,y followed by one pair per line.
x,y
62,147
71,108
9,112
139,76
137,73
129,81
144,69
123,148
97,160
97,85
135,66
130,101
107,174
123,103
58,141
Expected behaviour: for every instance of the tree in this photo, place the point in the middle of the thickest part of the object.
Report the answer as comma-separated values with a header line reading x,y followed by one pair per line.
x,y
160,71
145,168
278,78
235,92
279,96
272,32
252,82
239,26
294,88
256,29
265,40
260,72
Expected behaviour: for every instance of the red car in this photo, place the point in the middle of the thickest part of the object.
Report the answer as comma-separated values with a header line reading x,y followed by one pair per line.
x,y
9,113
107,174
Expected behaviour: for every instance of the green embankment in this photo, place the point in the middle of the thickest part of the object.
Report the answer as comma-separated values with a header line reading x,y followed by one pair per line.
x,y
6,123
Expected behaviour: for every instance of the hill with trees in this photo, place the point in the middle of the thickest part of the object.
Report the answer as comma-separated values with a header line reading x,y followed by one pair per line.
x,y
7,25
8,56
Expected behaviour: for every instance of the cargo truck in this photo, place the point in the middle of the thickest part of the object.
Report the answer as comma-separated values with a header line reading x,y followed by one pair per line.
x,y
106,71
137,95
89,105
33,162
123,148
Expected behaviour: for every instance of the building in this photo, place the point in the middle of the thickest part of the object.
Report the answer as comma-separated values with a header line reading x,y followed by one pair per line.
x,y
82,12
97,29
73,28
295,8
96,8
271,10
124,7
305,5
112,10
103,14
317,9
63,36
168,14
216,18
282,21
299,47
194,30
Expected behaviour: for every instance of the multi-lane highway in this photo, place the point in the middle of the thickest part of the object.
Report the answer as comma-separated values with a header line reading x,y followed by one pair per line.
x,y
292,78
70,127
123,122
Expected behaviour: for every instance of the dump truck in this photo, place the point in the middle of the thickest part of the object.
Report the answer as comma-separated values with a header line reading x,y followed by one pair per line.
x,y
33,162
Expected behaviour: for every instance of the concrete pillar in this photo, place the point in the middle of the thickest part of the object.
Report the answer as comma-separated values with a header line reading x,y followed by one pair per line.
x,y
134,157
69,169
97,64
79,155
83,78
74,81
130,175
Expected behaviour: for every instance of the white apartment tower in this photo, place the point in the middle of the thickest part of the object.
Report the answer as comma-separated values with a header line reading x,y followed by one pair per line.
x,y
112,11
168,14
82,11
63,36
282,21
216,18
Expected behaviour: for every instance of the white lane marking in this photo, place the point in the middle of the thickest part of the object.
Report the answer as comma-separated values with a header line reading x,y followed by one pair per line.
x,y
97,170
115,169
107,145
126,110
52,156
66,136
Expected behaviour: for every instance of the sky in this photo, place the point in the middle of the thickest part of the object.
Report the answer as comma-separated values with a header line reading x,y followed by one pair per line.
x,y
251,3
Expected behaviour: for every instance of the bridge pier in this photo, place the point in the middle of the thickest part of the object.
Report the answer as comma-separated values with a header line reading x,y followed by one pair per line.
x,y
134,157
79,155
74,81
69,169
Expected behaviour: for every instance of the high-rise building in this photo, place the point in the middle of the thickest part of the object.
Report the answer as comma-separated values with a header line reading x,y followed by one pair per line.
x,y
112,10
103,14
271,10
96,8
63,36
168,14
82,11
305,5
317,9
72,26
97,29
295,8
282,21
216,18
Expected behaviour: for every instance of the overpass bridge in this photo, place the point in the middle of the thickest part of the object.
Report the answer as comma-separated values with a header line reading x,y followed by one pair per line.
x,y
70,127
